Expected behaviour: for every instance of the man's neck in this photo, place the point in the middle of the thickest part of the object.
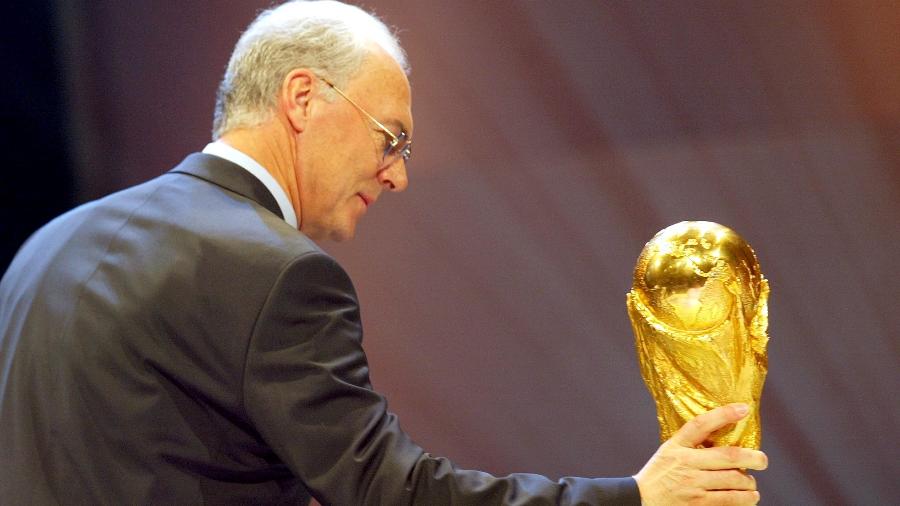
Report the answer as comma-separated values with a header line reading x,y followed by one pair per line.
x,y
271,148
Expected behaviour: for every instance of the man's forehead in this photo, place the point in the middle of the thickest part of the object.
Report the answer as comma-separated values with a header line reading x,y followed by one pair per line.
x,y
382,87
379,69
390,101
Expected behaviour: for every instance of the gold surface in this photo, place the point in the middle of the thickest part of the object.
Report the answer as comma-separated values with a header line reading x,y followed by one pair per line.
x,y
698,307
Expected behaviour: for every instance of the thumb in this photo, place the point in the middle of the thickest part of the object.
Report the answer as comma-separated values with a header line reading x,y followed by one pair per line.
x,y
698,430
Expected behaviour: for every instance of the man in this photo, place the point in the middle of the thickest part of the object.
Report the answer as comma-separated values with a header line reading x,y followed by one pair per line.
x,y
181,342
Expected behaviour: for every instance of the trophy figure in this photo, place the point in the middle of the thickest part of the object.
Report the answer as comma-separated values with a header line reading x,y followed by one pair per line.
x,y
698,308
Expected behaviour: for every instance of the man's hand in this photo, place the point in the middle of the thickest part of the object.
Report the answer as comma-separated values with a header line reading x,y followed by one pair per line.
x,y
681,473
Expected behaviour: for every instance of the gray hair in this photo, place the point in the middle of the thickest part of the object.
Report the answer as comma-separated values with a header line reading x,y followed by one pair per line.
x,y
328,37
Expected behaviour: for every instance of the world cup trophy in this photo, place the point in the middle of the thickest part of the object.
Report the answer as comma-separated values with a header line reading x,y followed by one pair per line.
x,y
698,307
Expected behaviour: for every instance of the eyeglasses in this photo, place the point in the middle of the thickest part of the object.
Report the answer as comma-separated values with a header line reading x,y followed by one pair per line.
x,y
399,146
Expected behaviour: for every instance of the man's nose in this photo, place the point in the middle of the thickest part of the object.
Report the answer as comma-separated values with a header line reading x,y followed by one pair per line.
x,y
393,177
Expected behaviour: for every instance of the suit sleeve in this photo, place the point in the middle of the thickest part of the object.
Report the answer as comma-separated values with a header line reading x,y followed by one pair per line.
x,y
307,391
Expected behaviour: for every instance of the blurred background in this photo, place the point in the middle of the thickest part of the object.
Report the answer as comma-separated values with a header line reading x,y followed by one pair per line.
x,y
553,139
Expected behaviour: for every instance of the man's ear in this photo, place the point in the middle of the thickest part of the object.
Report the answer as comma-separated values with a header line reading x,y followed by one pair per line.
x,y
295,98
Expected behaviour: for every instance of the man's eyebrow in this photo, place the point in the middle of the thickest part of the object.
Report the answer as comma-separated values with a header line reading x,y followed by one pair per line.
x,y
393,123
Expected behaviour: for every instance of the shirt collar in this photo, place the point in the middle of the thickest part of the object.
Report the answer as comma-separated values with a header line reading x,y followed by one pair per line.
x,y
237,157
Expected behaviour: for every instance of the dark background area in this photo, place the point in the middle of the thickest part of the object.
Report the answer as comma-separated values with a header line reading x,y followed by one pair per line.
x,y
37,182
552,140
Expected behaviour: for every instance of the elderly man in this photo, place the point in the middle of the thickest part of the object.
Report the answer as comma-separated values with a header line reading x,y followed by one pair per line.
x,y
185,341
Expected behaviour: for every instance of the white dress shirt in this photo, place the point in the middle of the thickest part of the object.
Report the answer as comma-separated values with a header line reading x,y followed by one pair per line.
x,y
222,150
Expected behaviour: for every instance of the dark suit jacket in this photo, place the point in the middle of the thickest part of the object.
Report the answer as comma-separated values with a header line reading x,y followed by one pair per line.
x,y
179,343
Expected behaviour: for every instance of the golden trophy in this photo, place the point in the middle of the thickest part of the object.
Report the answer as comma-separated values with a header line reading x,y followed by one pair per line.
x,y
699,312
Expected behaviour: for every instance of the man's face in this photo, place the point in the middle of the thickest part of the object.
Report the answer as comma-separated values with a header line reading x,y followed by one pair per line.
x,y
340,171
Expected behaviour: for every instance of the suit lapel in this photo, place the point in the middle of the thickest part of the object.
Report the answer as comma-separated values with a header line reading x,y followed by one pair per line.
x,y
232,177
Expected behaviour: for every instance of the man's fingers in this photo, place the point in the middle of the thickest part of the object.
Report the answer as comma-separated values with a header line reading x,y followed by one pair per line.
x,y
698,430
732,497
731,479
726,457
